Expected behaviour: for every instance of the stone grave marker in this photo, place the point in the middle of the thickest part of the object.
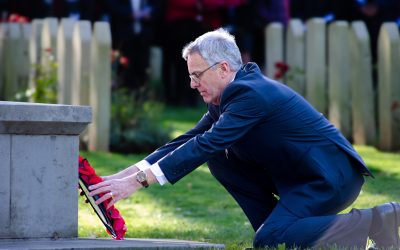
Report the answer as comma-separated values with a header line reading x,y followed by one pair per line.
x,y
100,87
338,77
64,60
273,48
362,93
295,56
316,89
389,86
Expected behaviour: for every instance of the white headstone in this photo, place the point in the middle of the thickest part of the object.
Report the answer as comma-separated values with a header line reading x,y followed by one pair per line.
x,y
24,68
316,86
362,93
100,87
274,47
3,34
389,86
49,40
81,40
295,56
64,59
12,60
339,77
35,50
156,63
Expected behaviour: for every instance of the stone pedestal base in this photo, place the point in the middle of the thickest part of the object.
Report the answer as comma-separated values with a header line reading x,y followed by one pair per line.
x,y
39,147
104,244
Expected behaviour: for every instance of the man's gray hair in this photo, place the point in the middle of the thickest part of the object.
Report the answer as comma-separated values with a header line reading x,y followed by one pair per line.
x,y
215,46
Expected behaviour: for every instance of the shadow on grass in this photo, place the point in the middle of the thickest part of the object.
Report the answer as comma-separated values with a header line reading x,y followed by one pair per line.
x,y
198,199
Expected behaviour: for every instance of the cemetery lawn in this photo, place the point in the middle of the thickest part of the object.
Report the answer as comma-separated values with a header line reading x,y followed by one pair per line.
x,y
197,207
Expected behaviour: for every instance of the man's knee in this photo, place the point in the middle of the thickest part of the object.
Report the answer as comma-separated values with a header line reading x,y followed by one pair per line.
x,y
267,236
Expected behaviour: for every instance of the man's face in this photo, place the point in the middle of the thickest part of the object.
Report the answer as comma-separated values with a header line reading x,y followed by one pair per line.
x,y
207,81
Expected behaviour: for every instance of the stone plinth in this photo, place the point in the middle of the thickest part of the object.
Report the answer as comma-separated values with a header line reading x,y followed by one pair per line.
x,y
39,148
103,244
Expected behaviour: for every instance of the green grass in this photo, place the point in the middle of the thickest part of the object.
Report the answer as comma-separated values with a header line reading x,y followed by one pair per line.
x,y
181,119
198,208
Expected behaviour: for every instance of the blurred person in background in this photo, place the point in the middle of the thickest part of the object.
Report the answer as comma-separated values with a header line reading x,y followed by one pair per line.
x,y
132,25
252,19
184,21
374,13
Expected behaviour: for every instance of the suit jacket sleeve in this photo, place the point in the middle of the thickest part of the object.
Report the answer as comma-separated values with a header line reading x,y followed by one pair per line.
x,y
204,124
241,110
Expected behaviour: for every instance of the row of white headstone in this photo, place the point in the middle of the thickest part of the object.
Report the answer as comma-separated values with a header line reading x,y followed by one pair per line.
x,y
331,66
82,53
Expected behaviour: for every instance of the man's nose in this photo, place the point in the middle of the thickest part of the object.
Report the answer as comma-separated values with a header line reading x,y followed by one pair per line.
x,y
194,84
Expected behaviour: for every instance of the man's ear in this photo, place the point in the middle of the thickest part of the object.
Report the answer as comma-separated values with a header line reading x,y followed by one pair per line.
x,y
225,69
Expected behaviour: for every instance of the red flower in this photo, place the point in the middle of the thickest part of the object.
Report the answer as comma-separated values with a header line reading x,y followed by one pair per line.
x,y
89,176
282,66
395,105
278,75
124,61
285,68
23,19
16,18
281,69
13,18
278,65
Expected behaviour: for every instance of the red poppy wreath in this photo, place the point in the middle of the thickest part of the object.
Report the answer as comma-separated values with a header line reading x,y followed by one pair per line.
x,y
111,218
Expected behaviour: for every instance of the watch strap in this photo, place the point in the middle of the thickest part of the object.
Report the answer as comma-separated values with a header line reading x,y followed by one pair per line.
x,y
141,177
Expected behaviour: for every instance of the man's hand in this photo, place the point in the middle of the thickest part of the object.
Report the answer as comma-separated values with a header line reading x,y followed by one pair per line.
x,y
122,174
115,189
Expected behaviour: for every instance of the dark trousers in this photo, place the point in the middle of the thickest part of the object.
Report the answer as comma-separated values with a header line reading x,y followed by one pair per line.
x,y
275,224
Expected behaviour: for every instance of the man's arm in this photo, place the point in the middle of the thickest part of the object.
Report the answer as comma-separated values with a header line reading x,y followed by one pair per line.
x,y
242,109
124,183
203,125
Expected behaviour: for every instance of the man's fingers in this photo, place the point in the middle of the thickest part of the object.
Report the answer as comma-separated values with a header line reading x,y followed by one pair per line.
x,y
98,185
100,190
103,198
105,178
111,203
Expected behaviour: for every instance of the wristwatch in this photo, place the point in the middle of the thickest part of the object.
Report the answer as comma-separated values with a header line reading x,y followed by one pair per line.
x,y
141,177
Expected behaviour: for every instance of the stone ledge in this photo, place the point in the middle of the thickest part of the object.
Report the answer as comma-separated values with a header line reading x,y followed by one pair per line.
x,y
104,244
43,119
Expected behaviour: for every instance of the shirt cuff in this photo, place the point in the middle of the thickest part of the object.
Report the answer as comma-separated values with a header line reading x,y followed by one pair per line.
x,y
155,168
142,165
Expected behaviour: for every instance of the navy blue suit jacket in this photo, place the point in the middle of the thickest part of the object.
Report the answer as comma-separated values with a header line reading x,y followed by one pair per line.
x,y
268,126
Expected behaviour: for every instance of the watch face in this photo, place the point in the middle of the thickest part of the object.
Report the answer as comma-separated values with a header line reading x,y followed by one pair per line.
x,y
141,176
